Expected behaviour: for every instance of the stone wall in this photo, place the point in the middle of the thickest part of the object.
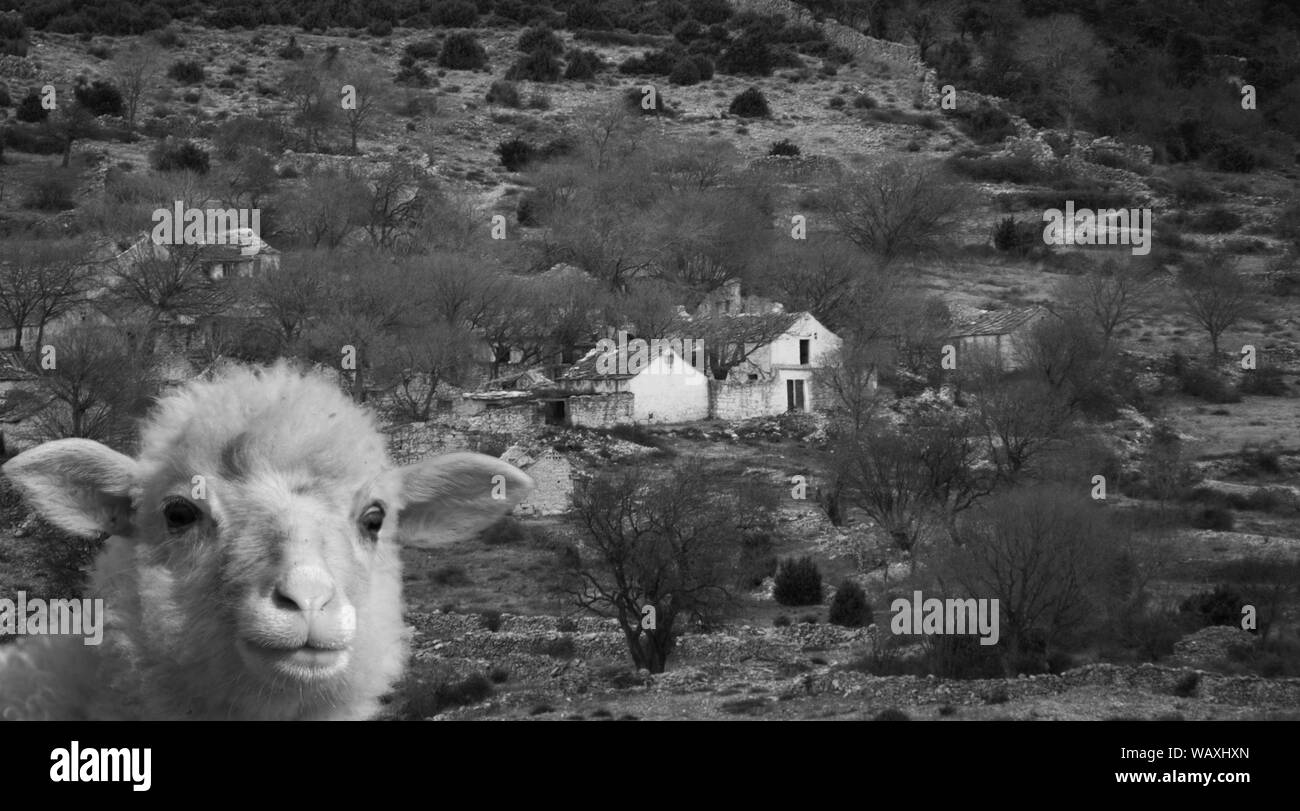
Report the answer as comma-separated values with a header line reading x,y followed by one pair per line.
x,y
513,420
553,475
739,401
414,441
862,47
796,168
600,410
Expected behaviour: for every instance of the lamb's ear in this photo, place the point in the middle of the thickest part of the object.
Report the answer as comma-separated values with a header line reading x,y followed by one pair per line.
x,y
78,485
446,498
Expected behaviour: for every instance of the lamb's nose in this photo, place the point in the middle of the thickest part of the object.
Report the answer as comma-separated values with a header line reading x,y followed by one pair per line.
x,y
304,588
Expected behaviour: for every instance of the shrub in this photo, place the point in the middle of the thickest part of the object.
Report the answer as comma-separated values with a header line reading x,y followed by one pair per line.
x,y
379,28
99,97
1261,459
685,73
1266,381
784,147
30,110
747,55
462,51
499,675
422,49
798,582
538,66
1009,169
492,621
412,76
540,38
757,561
781,621
292,50
506,531
1235,155
1222,606
171,156
504,93
704,65
561,647
750,104
1190,188
836,102
986,124
515,153
451,575
1012,236
186,72
1207,384
422,699
1217,221
863,101
891,714
583,64
1213,516
51,192
458,14
849,606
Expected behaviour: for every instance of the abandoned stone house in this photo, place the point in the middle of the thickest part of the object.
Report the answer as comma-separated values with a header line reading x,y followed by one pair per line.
x,y
612,386
994,336
778,376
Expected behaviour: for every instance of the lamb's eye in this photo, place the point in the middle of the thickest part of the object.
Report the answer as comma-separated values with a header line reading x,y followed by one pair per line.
x,y
180,514
372,519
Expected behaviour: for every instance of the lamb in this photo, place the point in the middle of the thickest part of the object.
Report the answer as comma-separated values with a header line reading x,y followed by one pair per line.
x,y
252,569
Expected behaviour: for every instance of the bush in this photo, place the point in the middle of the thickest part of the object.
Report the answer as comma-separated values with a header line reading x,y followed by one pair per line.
x,y
1009,169
515,153
492,621
784,147
292,50
891,714
422,49
685,73
30,110
505,531
99,97
186,72
798,582
583,64
1207,384
1190,188
412,76
540,38
451,575
757,561
750,104
1222,606
986,124
1235,155
1016,237
781,621
462,51
748,55
422,699
457,14
31,139
849,606
1266,381
379,28
51,192
1217,221
504,93
538,66
1217,517
171,156
863,101
561,647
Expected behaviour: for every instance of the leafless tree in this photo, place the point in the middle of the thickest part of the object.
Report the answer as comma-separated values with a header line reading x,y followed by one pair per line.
x,y
41,281
730,340
1216,295
134,69
370,93
1065,56
425,358
162,286
326,209
314,98
1109,297
669,543
899,207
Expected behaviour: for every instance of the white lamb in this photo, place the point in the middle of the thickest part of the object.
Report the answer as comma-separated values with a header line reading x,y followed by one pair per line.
x,y
252,570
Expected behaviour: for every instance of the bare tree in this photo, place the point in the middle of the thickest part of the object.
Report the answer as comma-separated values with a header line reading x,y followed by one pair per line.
x,y
134,69
1065,56
370,90
96,385
664,549
395,204
1043,553
326,209
41,281
1020,419
163,286
314,99
295,294
1109,297
1216,295
71,123
425,358
730,340
899,207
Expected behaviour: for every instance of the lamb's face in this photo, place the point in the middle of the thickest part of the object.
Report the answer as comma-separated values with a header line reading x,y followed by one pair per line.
x,y
284,570
256,551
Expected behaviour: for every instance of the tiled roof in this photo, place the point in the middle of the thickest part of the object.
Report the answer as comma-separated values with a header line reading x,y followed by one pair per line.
x,y
587,367
998,322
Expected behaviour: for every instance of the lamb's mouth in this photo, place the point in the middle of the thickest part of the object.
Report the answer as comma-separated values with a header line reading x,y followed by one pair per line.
x,y
304,663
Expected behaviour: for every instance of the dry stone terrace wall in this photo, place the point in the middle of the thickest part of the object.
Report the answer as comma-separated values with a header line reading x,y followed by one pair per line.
x,y
863,47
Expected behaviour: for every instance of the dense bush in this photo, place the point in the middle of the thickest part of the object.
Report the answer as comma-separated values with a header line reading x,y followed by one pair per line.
x,y
422,49
422,699
686,73
583,64
538,66
1207,384
187,71
750,104
291,50
1235,155
1012,236
462,51
540,38
798,582
31,138
1008,169
1222,606
1266,380
51,192
985,124
757,560
30,110
515,153
1217,221
504,93
849,606
173,156
455,14
1218,517
748,55
99,97
784,147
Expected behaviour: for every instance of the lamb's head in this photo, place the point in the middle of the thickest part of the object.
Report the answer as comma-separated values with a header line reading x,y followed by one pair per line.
x,y
255,555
